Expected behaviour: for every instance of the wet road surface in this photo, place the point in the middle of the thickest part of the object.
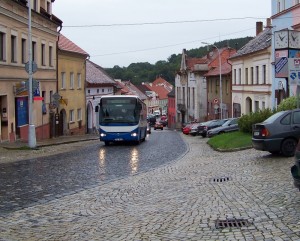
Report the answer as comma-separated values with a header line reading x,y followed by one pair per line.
x,y
30,182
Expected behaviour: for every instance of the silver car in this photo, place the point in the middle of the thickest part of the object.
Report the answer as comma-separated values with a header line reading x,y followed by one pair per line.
x,y
230,125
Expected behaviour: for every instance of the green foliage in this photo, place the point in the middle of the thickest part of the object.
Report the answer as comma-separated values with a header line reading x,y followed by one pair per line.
x,y
146,72
288,104
245,122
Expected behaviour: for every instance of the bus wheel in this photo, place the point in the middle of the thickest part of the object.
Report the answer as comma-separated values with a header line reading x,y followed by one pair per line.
x,y
106,143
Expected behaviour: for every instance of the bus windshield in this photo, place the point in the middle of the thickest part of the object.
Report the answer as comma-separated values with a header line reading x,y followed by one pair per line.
x,y
119,110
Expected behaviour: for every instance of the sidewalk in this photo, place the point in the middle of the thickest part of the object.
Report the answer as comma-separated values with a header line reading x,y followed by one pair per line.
x,y
51,142
17,151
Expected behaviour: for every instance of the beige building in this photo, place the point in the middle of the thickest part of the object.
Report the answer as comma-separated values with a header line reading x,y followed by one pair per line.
x,y
14,46
251,74
71,88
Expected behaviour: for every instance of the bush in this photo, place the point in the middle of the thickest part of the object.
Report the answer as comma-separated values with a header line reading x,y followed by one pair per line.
x,y
288,104
245,122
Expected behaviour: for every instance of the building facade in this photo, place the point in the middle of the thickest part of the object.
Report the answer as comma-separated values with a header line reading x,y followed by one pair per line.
x,y
251,74
14,54
71,87
285,16
98,83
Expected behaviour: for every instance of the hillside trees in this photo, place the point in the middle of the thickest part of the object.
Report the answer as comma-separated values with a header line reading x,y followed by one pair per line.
x,y
146,72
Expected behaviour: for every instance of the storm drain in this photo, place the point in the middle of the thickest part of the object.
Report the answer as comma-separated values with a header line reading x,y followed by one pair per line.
x,y
232,223
221,179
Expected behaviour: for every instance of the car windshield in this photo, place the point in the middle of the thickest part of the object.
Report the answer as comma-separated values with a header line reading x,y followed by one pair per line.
x,y
227,123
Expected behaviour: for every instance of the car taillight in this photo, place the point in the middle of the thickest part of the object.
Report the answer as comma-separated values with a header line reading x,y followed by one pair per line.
x,y
265,132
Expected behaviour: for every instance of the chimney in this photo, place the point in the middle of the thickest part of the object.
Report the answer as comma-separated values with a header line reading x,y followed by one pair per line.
x,y
269,23
259,27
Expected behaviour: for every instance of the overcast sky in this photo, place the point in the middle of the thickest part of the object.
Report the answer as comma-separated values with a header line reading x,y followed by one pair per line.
x,y
121,32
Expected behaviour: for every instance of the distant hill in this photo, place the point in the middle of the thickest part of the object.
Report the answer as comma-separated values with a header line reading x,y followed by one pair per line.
x,y
146,72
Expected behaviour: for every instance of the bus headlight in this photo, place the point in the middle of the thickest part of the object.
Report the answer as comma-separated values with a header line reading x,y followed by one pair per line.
x,y
102,134
134,134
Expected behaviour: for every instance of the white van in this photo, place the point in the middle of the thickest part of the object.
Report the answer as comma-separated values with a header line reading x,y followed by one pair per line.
x,y
156,112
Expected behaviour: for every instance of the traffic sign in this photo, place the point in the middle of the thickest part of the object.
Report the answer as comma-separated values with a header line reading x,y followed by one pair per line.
x,y
56,96
216,101
33,67
35,85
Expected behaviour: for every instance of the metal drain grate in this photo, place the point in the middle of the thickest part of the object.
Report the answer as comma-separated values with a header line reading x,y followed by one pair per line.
x,y
232,223
221,179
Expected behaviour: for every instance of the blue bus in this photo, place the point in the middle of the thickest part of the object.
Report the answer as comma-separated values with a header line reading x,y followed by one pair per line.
x,y
122,118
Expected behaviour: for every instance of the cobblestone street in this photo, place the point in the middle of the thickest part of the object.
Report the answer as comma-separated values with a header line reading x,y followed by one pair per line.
x,y
180,201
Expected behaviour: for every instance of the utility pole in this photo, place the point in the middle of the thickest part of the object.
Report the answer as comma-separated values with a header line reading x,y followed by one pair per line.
x,y
31,129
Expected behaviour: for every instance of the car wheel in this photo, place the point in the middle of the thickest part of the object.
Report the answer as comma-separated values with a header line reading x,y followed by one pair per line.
x,y
288,147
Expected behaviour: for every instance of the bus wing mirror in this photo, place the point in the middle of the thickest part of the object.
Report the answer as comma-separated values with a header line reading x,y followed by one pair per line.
x,y
97,108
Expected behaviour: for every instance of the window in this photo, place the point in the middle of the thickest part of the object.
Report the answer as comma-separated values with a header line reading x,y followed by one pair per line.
x,y
217,85
2,46
34,51
72,117
286,120
257,74
97,91
89,91
13,51
51,93
263,105
48,7
256,104
23,51
79,114
252,76
246,76
102,90
193,98
240,76
51,56
264,80
35,6
71,80
78,81
43,55
296,117
63,80
234,76
227,87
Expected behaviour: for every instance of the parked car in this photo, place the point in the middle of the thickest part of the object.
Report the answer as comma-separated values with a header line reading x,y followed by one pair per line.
x,y
158,125
164,122
194,129
206,126
278,134
230,125
186,130
295,169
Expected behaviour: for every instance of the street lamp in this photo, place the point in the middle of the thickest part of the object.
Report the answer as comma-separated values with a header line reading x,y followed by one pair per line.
x,y
220,70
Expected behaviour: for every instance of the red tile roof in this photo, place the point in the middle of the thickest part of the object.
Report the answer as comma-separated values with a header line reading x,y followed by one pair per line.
x,y
67,45
130,89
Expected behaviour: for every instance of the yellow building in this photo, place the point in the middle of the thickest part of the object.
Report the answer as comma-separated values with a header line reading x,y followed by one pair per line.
x,y
14,54
71,87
